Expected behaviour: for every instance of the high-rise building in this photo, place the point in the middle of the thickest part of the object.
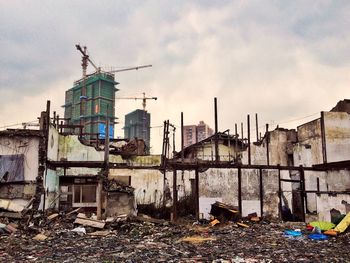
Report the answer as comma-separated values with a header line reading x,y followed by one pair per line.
x,y
88,103
196,133
137,125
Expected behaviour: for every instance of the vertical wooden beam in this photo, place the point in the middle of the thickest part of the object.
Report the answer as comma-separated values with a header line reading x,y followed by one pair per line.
x,y
197,193
174,195
217,157
261,188
302,190
323,137
267,135
279,192
240,189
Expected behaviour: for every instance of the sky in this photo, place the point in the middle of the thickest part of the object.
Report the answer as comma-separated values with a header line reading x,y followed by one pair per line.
x,y
285,60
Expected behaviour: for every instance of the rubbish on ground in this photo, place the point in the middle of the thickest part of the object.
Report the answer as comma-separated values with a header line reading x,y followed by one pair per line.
x,y
292,233
11,215
343,225
214,222
79,229
53,216
89,222
324,226
11,228
317,236
100,233
196,239
74,211
40,237
224,212
243,225
255,219
331,232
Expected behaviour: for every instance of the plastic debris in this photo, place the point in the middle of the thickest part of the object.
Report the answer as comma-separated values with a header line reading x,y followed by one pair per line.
x,y
317,236
292,233
324,226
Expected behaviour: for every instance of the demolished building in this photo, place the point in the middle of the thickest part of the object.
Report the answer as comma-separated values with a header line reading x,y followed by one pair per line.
x,y
305,171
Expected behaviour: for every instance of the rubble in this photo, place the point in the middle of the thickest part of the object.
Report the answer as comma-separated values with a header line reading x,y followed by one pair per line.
x,y
137,239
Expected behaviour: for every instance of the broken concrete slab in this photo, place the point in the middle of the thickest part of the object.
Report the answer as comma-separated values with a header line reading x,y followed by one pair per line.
x,y
89,222
53,216
11,215
13,205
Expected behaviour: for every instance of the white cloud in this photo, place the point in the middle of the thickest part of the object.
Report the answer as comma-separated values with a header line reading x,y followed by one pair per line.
x,y
281,61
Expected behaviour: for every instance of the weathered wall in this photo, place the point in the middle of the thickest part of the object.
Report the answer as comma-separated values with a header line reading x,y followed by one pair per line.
x,y
308,150
207,152
280,145
29,147
337,133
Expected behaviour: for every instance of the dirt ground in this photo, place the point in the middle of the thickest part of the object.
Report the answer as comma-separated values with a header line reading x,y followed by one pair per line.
x,y
134,241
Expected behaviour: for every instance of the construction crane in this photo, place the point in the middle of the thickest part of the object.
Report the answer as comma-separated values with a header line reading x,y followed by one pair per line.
x,y
86,59
144,99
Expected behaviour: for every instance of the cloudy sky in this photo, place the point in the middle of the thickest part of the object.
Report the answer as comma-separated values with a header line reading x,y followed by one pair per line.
x,y
284,60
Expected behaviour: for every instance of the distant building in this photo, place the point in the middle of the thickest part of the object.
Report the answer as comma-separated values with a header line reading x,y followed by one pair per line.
x,y
137,125
196,133
87,103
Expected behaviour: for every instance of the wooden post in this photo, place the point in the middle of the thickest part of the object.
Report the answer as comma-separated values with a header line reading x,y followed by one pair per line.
x,y
279,192
240,189
261,188
174,195
197,193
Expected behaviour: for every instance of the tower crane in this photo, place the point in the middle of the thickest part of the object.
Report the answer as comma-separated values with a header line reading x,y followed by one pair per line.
x,y
86,59
144,99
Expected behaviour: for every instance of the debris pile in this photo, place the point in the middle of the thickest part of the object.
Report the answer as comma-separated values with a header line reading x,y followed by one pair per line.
x,y
80,237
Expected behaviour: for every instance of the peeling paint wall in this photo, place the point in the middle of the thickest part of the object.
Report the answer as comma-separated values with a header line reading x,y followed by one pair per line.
x,y
29,147
337,133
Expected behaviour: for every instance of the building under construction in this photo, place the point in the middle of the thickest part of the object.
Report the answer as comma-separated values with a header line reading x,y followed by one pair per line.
x,y
88,103
137,125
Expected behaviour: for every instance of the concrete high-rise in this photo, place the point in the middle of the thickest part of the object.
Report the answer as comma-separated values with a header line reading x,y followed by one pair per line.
x,y
196,133
137,125
88,103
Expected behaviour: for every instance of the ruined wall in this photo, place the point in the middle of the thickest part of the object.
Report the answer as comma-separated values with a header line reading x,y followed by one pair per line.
x,y
337,133
280,145
207,152
29,147
222,185
308,150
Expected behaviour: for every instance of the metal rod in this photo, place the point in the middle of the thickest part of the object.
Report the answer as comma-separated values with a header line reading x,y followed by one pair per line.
x,y
267,144
216,115
318,184
242,132
261,188
256,127
248,129
182,137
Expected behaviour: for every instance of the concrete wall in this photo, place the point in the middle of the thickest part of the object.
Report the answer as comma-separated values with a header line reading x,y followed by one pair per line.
x,y
308,150
337,132
29,147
